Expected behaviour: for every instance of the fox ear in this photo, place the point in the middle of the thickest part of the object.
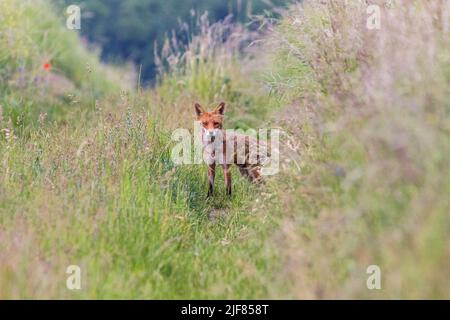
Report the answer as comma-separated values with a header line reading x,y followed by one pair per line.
x,y
199,110
220,109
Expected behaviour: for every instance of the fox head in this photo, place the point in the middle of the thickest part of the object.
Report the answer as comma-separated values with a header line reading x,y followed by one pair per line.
x,y
212,122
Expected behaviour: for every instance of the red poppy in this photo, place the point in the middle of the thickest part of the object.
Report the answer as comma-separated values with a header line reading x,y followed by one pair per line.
x,y
47,66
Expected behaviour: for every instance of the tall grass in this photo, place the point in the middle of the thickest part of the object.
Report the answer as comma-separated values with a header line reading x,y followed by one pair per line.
x,y
217,64
367,117
108,198
97,189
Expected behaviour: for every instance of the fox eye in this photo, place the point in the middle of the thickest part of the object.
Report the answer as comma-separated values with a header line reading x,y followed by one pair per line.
x,y
216,124
204,123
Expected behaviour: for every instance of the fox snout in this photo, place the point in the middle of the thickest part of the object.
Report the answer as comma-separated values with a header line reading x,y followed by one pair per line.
x,y
210,135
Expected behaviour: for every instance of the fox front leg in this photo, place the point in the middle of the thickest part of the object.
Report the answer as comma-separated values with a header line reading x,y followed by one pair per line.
x,y
211,177
227,175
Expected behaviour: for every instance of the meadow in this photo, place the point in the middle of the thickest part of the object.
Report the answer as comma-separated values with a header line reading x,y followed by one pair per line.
x,y
86,176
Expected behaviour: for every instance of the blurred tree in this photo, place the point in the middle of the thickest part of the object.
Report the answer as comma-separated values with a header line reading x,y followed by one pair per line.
x,y
127,30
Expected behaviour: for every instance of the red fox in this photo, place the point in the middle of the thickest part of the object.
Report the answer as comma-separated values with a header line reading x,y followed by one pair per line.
x,y
228,148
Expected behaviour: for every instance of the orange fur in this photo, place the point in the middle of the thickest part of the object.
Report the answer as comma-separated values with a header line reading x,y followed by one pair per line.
x,y
212,126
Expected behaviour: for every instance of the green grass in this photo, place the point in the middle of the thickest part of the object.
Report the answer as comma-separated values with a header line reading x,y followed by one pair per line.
x,y
95,187
86,176
138,226
372,178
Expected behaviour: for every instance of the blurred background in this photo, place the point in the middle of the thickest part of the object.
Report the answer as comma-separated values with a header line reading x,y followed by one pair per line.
x,y
129,30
